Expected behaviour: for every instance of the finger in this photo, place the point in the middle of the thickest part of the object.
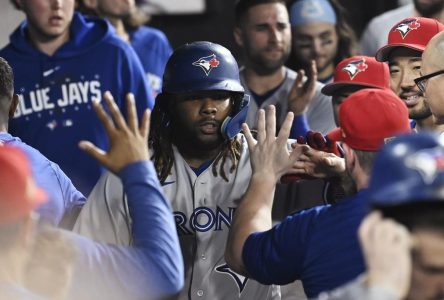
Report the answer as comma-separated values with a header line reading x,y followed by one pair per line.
x,y
145,125
298,84
133,121
97,153
103,117
271,122
118,119
248,136
284,133
296,153
261,126
300,139
312,77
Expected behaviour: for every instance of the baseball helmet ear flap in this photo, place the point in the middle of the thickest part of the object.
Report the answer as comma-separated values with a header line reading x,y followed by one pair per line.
x,y
232,124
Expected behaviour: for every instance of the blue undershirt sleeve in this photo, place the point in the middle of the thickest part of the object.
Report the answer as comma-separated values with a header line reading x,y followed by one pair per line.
x,y
153,227
299,127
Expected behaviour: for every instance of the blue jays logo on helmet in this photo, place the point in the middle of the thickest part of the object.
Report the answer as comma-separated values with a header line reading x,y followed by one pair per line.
x,y
428,162
354,67
406,26
207,63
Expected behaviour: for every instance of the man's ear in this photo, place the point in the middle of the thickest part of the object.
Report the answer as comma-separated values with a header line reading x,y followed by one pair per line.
x,y
238,36
13,107
91,4
350,157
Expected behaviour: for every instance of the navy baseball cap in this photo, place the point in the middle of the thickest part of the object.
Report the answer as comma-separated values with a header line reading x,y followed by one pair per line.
x,y
409,169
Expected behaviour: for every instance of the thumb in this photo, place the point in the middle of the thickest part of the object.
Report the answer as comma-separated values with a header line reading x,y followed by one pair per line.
x,y
93,151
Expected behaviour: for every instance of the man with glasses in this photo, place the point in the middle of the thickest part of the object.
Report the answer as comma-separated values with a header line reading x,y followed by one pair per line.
x,y
431,82
406,41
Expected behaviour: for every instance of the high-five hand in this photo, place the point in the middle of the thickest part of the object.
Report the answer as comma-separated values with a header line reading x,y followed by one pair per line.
x,y
269,155
128,142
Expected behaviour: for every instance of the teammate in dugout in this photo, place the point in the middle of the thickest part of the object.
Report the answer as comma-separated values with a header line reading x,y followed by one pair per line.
x,y
318,246
203,164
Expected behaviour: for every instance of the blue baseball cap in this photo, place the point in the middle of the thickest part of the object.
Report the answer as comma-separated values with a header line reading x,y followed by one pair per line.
x,y
312,11
409,169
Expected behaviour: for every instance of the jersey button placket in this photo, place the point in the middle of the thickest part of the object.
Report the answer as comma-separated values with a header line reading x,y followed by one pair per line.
x,y
200,293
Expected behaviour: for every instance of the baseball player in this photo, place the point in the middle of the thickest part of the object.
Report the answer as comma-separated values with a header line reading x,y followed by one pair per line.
x,y
353,74
57,264
263,31
317,246
203,164
406,191
406,41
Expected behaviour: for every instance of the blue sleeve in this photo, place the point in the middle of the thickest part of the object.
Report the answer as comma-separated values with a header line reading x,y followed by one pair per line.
x,y
277,256
299,127
136,82
153,226
71,196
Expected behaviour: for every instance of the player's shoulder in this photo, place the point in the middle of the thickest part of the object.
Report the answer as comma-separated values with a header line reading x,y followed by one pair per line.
x,y
393,15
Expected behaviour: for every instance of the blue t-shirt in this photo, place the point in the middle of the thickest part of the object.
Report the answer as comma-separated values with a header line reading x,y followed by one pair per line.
x,y
56,92
318,246
62,195
153,49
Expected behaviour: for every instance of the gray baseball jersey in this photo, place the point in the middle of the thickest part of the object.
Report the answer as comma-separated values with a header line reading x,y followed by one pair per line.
x,y
203,209
319,113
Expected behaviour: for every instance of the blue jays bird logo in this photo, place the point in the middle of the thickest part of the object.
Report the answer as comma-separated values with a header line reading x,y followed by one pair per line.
x,y
207,63
428,163
355,67
406,26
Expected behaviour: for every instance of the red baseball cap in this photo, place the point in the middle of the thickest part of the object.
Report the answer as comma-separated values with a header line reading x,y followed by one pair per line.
x,y
414,33
370,117
361,71
19,194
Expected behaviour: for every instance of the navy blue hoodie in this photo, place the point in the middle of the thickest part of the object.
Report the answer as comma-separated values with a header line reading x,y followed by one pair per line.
x,y
55,110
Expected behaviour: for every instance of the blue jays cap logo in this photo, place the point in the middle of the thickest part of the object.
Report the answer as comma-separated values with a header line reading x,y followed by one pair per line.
x,y
207,63
428,162
406,26
355,67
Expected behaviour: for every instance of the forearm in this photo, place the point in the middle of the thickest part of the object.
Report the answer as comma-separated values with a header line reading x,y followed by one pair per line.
x,y
252,215
358,289
153,227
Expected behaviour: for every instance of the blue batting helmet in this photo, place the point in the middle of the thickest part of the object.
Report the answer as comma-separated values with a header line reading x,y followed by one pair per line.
x,y
205,66
409,169
201,66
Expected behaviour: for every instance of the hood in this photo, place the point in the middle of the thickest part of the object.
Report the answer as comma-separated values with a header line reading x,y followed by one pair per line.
x,y
86,33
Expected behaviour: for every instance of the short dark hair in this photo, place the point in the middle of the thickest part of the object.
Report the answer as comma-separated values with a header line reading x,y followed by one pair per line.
x,y
6,79
242,7
365,159
421,215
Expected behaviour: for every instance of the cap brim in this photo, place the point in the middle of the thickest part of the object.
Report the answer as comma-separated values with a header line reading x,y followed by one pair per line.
x,y
330,88
383,53
335,135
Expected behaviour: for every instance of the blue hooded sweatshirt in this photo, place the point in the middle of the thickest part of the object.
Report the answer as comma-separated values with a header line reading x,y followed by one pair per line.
x,y
56,92
153,49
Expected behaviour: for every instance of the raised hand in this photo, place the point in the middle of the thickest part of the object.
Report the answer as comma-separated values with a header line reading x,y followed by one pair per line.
x,y
386,246
269,155
128,142
302,92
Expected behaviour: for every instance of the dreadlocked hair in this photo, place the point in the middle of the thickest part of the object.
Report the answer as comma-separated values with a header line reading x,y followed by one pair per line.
x,y
161,140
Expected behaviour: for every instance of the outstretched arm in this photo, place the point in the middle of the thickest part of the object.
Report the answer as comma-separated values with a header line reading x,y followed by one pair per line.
x,y
270,159
156,251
